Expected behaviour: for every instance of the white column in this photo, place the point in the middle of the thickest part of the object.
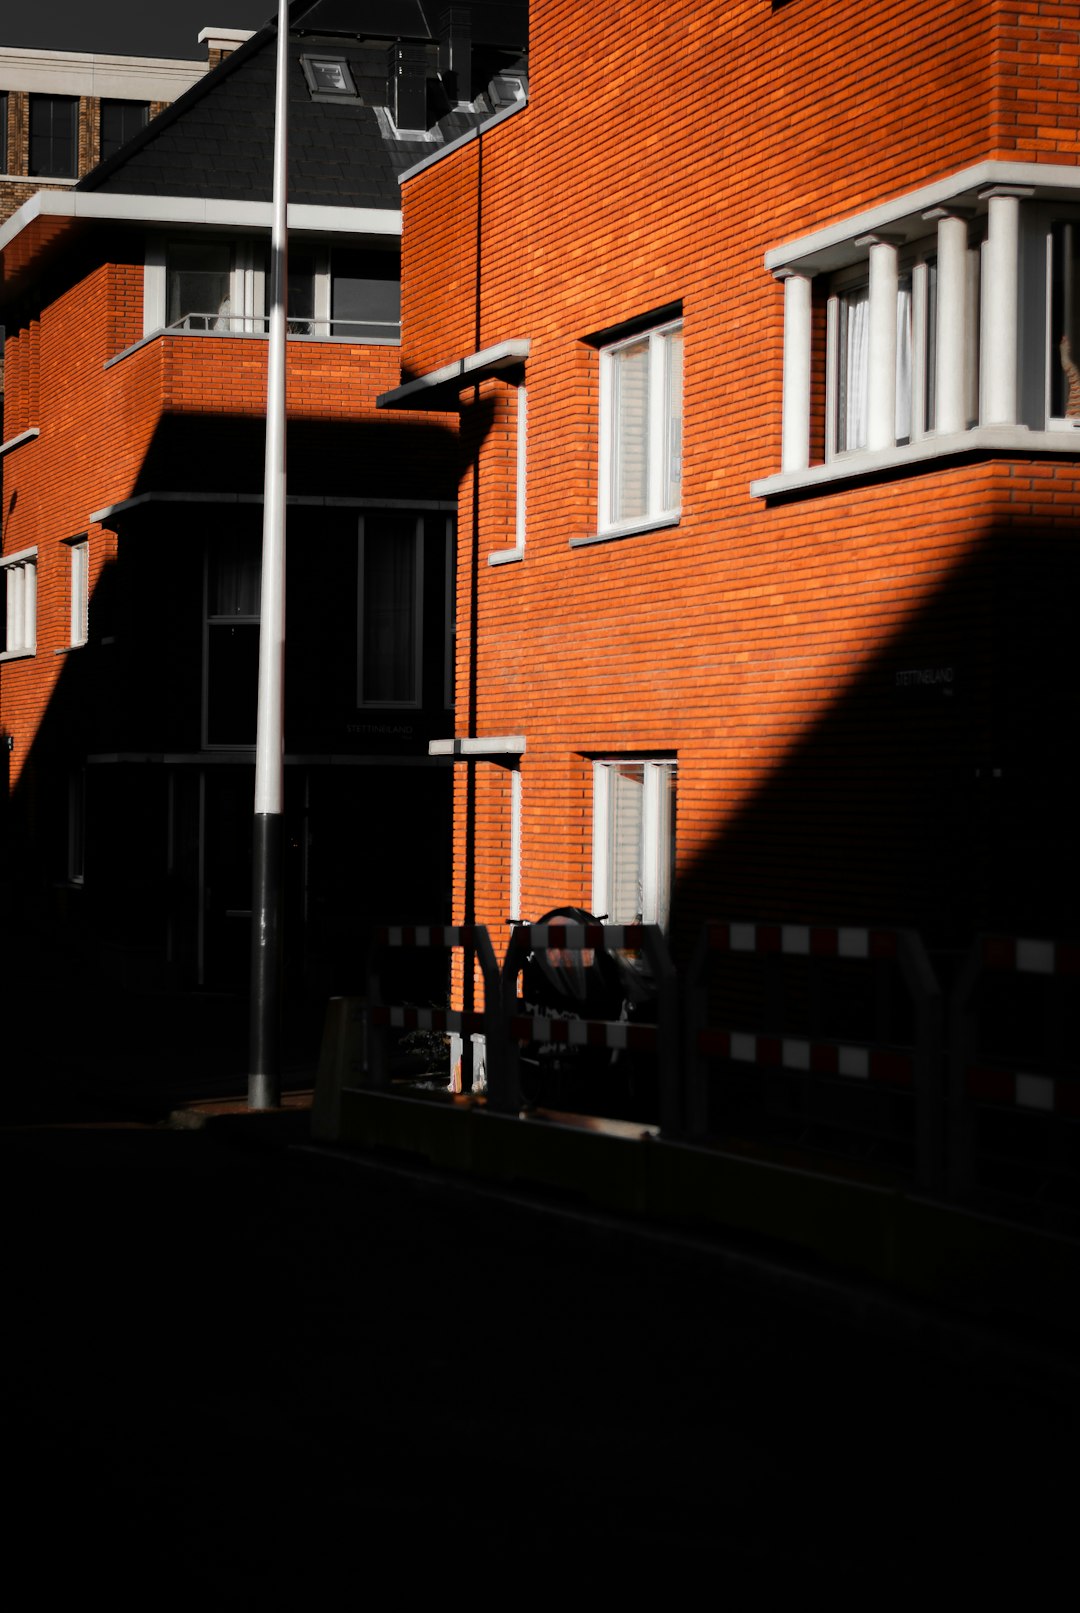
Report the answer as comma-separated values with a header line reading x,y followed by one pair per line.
x,y
795,452
952,357
881,379
1000,306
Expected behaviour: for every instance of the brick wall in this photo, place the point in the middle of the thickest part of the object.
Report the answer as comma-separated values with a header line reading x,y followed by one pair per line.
x,y
761,644
178,414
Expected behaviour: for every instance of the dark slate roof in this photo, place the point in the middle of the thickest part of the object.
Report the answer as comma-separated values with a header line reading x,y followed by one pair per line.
x,y
217,139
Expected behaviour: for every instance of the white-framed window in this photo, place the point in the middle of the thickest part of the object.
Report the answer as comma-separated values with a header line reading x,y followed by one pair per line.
x,y
18,607
390,610
214,284
79,558
205,284
641,412
633,839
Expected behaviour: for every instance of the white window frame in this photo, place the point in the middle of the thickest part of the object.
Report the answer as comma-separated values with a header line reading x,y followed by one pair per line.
x,y
660,418
418,638
657,836
501,557
450,635
20,635
247,287
79,551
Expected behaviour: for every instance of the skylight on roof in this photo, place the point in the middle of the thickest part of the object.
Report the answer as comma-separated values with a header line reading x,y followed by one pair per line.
x,y
328,78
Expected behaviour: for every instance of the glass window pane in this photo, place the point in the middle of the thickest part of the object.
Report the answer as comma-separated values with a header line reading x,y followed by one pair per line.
x,y
233,683
390,612
625,842
198,284
120,122
630,417
301,292
54,122
854,369
1065,314
365,294
235,576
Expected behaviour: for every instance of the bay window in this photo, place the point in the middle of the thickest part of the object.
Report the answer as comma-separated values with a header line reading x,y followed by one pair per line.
x,y
942,323
18,604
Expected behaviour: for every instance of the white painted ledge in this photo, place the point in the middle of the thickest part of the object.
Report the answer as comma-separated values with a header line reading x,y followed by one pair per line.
x,y
928,451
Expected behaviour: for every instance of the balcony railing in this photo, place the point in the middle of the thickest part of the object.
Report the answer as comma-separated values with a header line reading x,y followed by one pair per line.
x,y
339,330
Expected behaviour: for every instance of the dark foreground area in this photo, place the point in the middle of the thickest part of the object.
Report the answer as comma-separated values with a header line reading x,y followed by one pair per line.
x,y
294,1378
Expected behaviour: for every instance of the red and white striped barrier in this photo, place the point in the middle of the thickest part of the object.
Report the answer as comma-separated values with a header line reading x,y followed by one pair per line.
x,y
428,935
892,1066
1025,956
426,1019
459,1024
802,940
893,953
1044,1094
580,937
584,1032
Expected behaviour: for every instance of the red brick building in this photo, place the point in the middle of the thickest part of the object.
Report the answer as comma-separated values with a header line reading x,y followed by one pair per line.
x,y
765,598
132,458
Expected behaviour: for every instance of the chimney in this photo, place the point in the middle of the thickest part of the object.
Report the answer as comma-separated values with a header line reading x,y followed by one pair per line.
x,y
408,85
221,42
455,52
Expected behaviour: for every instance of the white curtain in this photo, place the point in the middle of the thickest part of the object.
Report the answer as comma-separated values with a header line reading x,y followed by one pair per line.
x,y
903,360
854,369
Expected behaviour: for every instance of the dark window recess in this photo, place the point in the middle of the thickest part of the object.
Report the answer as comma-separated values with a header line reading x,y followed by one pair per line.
x,y
54,127
233,674
120,122
233,641
390,611
198,285
365,295
301,296
3,131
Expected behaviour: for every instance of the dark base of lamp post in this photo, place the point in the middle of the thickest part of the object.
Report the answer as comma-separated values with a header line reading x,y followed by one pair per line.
x,y
264,1065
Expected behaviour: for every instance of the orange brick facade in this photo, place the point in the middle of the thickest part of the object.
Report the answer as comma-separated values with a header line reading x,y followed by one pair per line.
x,y
765,643
167,432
